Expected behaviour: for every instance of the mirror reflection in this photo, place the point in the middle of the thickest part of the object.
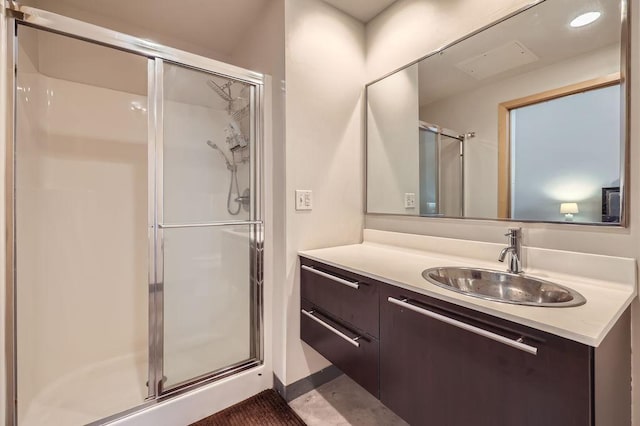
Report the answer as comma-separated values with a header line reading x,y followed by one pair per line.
x,y
520,121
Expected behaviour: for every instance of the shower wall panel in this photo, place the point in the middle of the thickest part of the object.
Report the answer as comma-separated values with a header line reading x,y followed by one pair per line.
x,y
81,217
196,179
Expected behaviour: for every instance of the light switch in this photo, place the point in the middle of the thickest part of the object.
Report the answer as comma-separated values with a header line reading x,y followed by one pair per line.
x,y
409,200
304,199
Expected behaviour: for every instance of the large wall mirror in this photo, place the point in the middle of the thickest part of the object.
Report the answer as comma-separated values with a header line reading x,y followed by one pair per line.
x,y
524,120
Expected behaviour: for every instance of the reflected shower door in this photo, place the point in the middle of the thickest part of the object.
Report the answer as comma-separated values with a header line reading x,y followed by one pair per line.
x,y
441,173
428,164
450,176
207,222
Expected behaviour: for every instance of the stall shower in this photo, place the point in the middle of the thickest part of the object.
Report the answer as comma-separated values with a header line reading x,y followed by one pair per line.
x,y
136,251
441,168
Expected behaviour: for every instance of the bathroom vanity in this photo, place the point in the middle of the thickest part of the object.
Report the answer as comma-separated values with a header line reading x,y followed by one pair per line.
x,y
443,358
462,133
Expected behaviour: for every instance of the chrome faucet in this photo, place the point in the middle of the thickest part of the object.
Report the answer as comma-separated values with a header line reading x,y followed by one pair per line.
x,y
515,262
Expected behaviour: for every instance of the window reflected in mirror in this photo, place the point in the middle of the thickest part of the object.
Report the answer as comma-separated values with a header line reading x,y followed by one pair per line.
x,y
548,151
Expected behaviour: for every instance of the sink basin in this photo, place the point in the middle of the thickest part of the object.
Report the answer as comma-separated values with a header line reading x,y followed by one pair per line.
x,y
503,287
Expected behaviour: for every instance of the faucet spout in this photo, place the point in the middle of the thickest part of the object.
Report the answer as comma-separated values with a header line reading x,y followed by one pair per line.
x,y
515,264
503,253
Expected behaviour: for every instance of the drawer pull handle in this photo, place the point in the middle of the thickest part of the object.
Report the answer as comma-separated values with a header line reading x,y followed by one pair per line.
x,y
518,344
331,277
353,341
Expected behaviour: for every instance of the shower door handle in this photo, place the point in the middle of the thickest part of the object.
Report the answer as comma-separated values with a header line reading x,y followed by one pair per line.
x,y
209,224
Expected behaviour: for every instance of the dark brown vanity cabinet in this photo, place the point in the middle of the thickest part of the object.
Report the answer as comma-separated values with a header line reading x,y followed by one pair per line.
x,y
339,319
437,363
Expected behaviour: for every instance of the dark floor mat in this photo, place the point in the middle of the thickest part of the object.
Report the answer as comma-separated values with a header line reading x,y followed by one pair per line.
x,y
265,409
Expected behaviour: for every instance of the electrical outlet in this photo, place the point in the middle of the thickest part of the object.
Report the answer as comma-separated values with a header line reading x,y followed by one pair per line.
x,y
304,199
409,200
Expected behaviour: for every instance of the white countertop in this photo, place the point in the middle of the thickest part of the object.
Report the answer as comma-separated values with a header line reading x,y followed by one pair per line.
x,y
608,283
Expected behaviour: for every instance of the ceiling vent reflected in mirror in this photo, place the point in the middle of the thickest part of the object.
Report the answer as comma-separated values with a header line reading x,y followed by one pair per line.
x,y
496,61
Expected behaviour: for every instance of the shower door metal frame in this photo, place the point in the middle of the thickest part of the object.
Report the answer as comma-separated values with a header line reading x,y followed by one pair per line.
x,y
256,240
441,131
157,54
11,370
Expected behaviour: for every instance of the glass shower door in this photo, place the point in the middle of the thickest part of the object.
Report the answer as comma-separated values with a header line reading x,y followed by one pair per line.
x,y
429,173
80,229
207,223
441,173
450,176
134,231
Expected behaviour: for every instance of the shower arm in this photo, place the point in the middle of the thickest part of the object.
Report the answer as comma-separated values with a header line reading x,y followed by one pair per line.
x,y
223,91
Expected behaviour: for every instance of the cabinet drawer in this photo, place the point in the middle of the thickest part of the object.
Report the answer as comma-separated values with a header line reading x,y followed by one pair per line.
x,y
355,354
346,296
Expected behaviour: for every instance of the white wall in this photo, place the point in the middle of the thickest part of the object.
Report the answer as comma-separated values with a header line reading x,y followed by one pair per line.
x,y
324,110
477,111
392,148
410,28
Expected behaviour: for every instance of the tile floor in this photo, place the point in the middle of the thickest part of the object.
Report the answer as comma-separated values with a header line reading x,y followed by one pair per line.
x,y
342,402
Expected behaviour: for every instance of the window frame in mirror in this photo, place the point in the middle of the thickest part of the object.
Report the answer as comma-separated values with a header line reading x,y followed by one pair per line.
x,y
625,127
504,133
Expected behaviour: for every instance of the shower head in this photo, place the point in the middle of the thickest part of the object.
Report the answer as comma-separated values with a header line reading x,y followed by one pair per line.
x,y
223,91
226,159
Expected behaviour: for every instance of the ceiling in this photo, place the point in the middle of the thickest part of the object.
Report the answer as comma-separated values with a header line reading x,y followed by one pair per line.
x,y
209,28
205,27
543,30
362,10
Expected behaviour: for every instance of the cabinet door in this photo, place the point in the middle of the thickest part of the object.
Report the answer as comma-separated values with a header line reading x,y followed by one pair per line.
x,y
436,373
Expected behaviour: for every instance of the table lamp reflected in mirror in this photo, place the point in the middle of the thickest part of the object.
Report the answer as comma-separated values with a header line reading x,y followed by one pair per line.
x,y
568,209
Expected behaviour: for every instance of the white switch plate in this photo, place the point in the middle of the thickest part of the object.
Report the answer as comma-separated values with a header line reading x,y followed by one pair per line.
x,y
304,199
409,200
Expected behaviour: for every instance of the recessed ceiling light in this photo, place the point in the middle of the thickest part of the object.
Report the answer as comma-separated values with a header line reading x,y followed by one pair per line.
x,y
584,19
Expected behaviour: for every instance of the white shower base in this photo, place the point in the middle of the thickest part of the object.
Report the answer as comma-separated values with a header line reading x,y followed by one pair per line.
x,y
200,356
89,394
113,386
